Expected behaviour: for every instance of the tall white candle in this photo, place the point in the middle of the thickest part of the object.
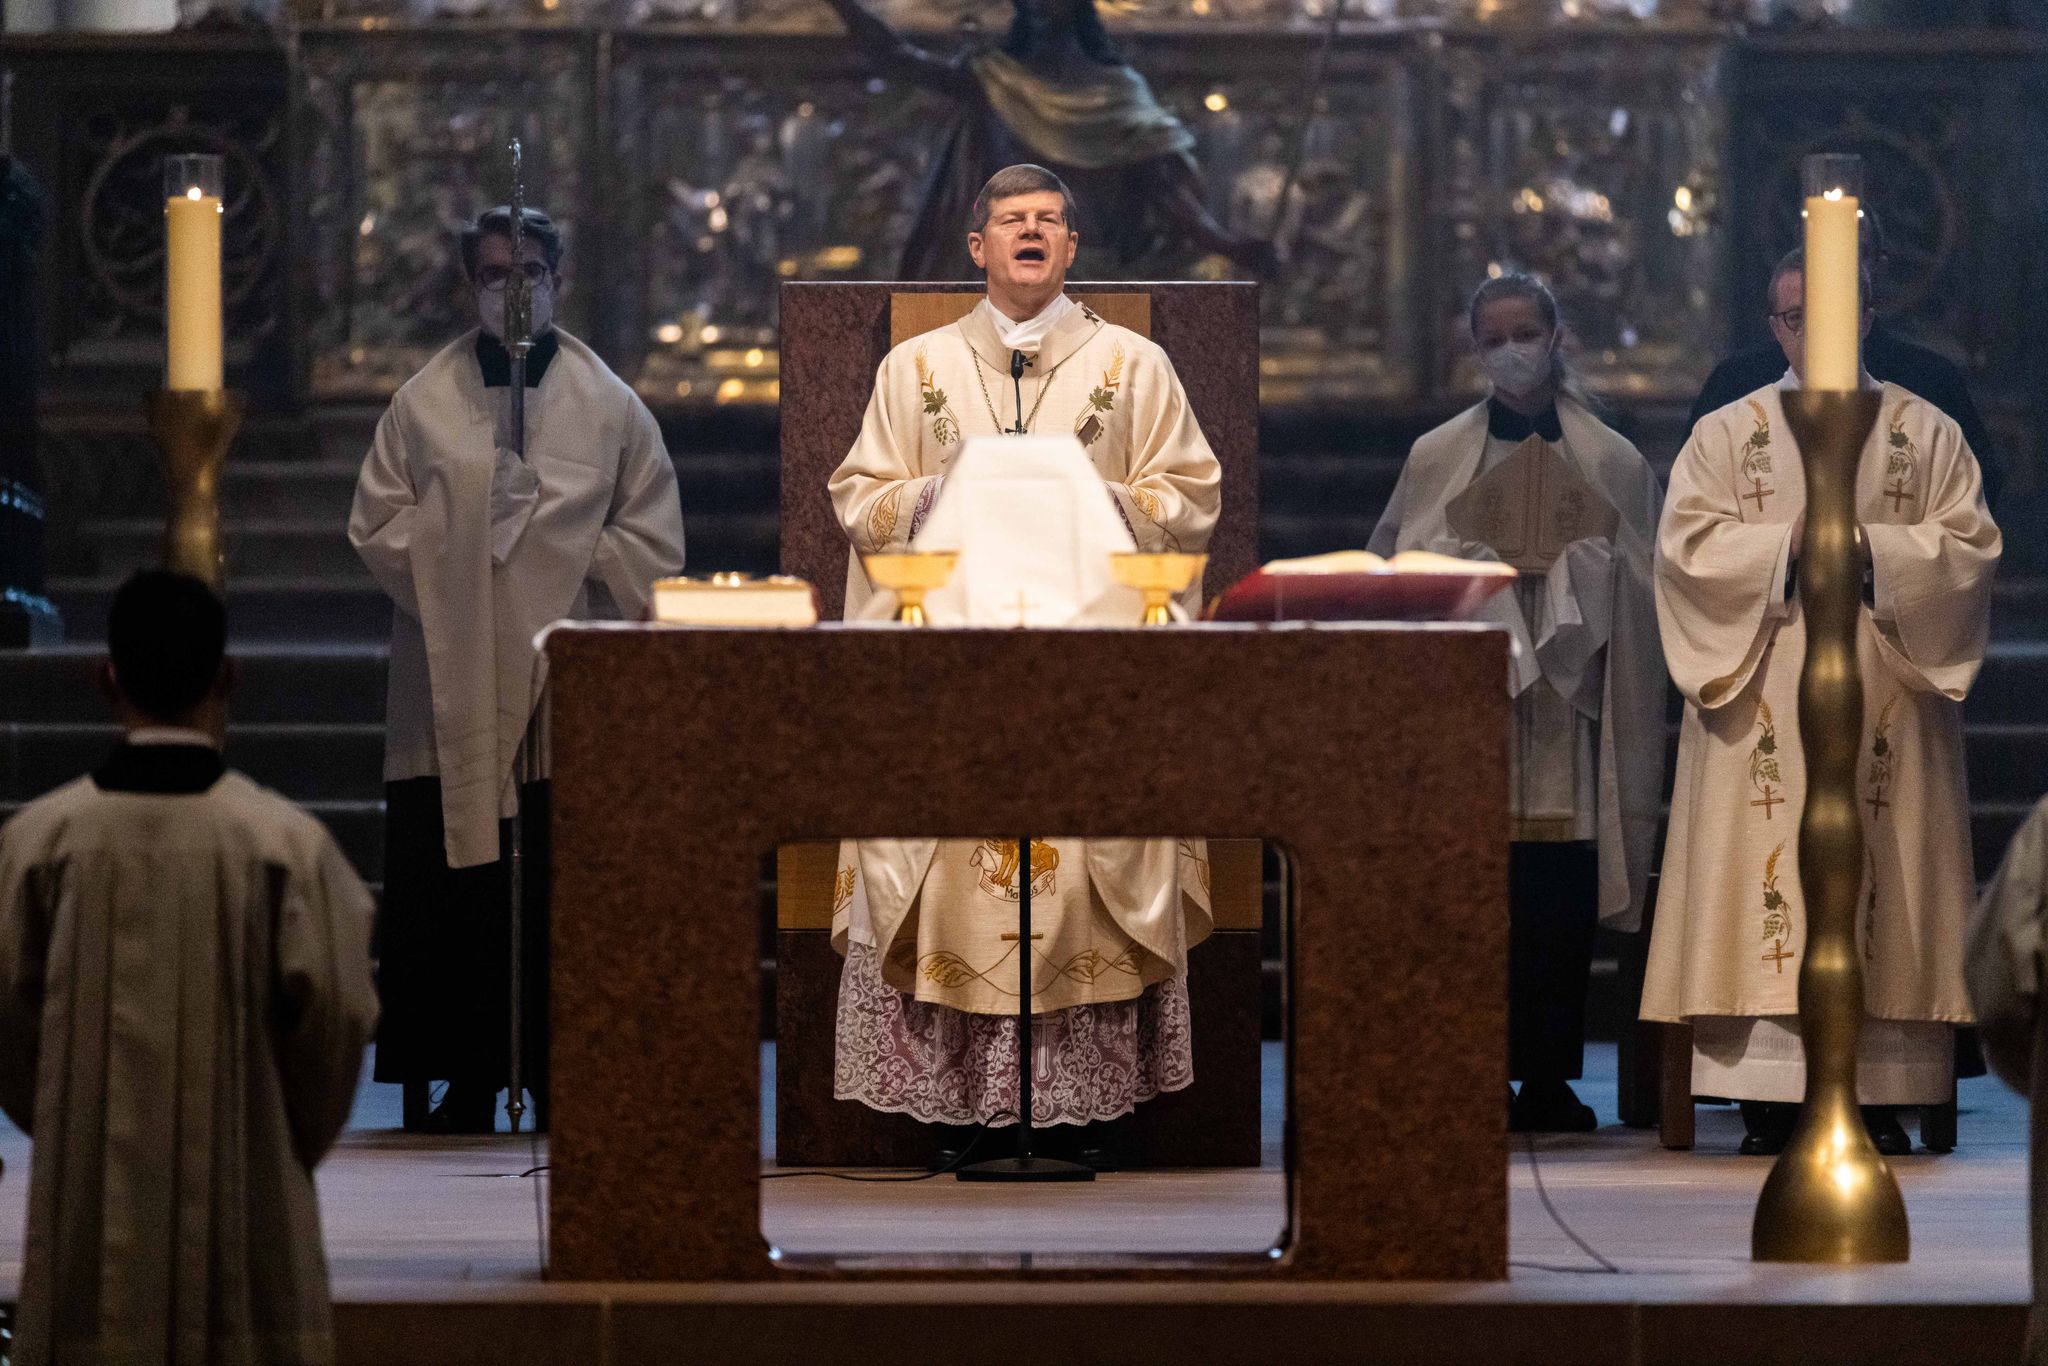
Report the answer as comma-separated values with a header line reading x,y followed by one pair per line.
x,y
193,212
1834,304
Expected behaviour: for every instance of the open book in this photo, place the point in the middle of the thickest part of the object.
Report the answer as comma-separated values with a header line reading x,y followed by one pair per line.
x,y
1530,506
1357,585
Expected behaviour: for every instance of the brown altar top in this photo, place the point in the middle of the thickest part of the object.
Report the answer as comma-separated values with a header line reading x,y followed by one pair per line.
x,y
1376,756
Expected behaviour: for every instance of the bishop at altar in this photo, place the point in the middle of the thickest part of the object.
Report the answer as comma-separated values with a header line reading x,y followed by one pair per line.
x,y
928,995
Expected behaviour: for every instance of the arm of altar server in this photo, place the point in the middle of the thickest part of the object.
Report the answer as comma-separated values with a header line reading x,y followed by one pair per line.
x,y
2004,960
643,534
381,521
875,492
1720,581
25,911
326,1001
1172,490
1933,577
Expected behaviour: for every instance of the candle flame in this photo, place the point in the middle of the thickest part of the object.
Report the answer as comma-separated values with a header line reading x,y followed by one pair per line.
x,y
195,193
1834,194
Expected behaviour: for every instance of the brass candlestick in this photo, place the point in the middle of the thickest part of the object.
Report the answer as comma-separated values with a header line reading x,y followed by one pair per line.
x,y
1158,577
193,429
910,575
1830,1197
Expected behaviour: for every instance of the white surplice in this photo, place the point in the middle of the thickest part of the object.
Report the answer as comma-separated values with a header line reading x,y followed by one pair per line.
x,y
479,553
1586,671
185,996
1731,921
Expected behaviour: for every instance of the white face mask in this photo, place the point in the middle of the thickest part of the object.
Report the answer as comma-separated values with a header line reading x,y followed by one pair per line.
x,y
490,308
1517,368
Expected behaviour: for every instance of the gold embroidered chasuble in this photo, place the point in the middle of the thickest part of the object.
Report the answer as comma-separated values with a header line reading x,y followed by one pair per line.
x,y
1113,389
1110,917
1731,924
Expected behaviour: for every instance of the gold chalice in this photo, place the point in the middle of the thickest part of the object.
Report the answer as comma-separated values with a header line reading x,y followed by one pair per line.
x,y
910,575
1158,576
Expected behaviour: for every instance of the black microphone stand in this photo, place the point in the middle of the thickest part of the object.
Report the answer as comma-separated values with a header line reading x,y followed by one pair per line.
x,y
1025,1166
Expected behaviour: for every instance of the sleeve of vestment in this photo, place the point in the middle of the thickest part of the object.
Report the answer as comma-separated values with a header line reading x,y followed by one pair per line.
x,y
26,891
327,1002
643,534
1172,491
876,492
2003,962
382,522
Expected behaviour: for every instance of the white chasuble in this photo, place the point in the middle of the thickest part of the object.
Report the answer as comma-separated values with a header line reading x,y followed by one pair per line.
x,y
1115,915
185,996
480,552
1731,922
1112,389
1586,672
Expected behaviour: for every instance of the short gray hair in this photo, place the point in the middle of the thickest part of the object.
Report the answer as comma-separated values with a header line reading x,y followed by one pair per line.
x,y
1023,178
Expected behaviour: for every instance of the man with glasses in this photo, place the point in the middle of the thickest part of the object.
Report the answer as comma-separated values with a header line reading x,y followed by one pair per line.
x,y
480,547
1730,932
1886,354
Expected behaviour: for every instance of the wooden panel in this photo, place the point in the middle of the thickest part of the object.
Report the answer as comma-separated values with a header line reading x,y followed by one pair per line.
x,y
912,315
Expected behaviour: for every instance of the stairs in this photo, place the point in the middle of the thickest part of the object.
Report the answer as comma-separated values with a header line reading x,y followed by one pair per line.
x,y
309,627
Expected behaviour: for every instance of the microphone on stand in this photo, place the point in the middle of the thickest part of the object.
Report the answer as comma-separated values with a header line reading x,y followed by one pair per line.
x,y
1017,364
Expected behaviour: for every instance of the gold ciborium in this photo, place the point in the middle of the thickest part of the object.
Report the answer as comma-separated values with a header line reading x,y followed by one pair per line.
x,y
1158,576
910,575
193,429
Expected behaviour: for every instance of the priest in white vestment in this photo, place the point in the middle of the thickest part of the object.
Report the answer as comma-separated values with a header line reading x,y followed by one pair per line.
x,y
1731,924
185,996
2004,969
478,550
1586,675
927,1018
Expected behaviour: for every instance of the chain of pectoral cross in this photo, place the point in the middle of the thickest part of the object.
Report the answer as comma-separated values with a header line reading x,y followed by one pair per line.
x,y
1044,387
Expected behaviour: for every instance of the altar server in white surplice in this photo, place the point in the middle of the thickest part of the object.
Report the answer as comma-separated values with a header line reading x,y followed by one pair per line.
x,y
929,992
1586,675
184,999
478,550
1731,923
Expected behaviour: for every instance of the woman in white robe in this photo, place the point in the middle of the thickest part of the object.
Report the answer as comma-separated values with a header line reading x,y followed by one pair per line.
x,y
1587,679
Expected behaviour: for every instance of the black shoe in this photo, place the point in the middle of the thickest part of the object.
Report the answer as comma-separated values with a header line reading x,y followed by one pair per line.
x,y
1768,1127
1885,1130
465,1109
1550,1107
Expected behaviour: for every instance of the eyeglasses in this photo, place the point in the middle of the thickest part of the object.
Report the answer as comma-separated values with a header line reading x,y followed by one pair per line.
x,y
490,277
1794,319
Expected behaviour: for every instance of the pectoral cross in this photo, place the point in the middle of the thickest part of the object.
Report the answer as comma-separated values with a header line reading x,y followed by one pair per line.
x,y
1777,955
1877,803
1758,492
1898,494
1024,605
1767,801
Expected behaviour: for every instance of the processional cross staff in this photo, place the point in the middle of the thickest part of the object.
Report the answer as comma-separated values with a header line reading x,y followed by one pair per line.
x,y
519,342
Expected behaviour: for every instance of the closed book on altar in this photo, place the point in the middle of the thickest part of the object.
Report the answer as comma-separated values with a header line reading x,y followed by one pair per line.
x,y
735,600
1530,506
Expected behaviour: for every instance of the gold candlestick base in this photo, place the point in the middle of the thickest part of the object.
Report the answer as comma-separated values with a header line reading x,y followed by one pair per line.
x,y
1158,577
193,429
1830,1197
910,575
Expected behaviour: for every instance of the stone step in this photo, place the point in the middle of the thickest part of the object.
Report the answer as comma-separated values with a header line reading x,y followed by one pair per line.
x,y
357,826
304,684
260,611
306,762
257,547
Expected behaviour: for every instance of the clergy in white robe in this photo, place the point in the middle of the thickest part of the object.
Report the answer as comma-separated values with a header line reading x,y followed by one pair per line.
x,y
1586,675
926,1023
2003,968
1731,920
478,550
184,999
